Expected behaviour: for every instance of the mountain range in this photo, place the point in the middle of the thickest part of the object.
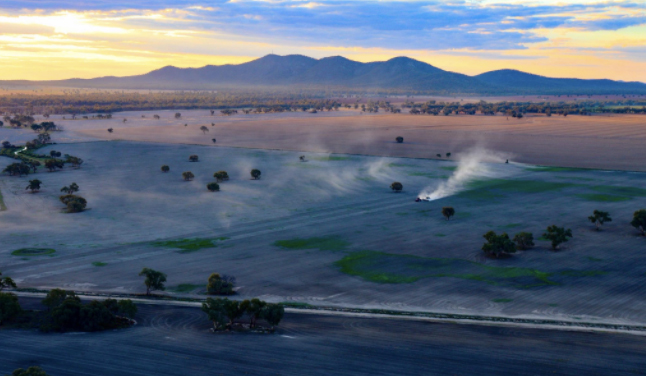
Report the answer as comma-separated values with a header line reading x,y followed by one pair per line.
x,y
400,74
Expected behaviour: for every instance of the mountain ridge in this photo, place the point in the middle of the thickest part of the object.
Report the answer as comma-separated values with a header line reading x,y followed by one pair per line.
x,y
400,74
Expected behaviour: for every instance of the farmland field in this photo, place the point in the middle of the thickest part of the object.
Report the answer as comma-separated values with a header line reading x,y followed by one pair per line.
x,y
328,231
324,345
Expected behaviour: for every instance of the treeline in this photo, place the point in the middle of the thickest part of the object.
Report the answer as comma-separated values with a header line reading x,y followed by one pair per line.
x,y
110,102
513,108
66,313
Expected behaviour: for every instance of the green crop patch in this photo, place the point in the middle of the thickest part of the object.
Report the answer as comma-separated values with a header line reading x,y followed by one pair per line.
x,y
496,188
620,191
99,263
383,267
597,197
33,252
189,245
329,243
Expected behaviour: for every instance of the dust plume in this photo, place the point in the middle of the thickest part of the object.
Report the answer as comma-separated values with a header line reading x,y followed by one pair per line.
x,y
474,164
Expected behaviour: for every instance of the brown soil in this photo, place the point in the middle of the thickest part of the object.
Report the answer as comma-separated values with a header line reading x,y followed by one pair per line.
x,y
603,142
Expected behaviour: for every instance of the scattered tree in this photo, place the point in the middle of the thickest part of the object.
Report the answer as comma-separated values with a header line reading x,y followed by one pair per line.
x,y
254,309
193,158
439,155
34,185
6,283
17,169
399,139
55,297
9,307
301,158
213,187
255,174
557,235
187,175
154,280
178,115
396,186
221,176
639,221
599,218
524,240
34,165
74,204
448,155
31,371
497,245
448,212
110,130
213,139
165,168
204,129
273,314
216,309
220,285
71,189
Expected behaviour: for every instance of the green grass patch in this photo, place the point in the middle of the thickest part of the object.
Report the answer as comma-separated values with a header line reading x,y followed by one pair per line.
x,y
99,263
383,267
332,158
33,252
555,169
2,205
424,174
582,273
449,168
440,235
399,165
185,287
621,191
502,300
329,243
512,225
597,197
189,245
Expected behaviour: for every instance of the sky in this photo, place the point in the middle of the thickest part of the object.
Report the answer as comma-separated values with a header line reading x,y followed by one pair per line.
x,y
49,39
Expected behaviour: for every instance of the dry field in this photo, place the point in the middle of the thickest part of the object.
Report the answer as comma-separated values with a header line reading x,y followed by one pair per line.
x,y
329,231
602,142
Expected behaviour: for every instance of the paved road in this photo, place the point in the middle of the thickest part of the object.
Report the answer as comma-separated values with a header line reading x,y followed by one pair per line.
x,y
176,341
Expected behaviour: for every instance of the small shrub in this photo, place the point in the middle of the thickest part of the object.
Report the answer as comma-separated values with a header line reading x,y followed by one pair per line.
x,y
396,186
213,187
165,168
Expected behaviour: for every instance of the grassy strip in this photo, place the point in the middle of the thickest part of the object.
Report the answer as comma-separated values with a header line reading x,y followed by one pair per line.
x,y
33,251
329,243
383,267
602,198
189,245
99,263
